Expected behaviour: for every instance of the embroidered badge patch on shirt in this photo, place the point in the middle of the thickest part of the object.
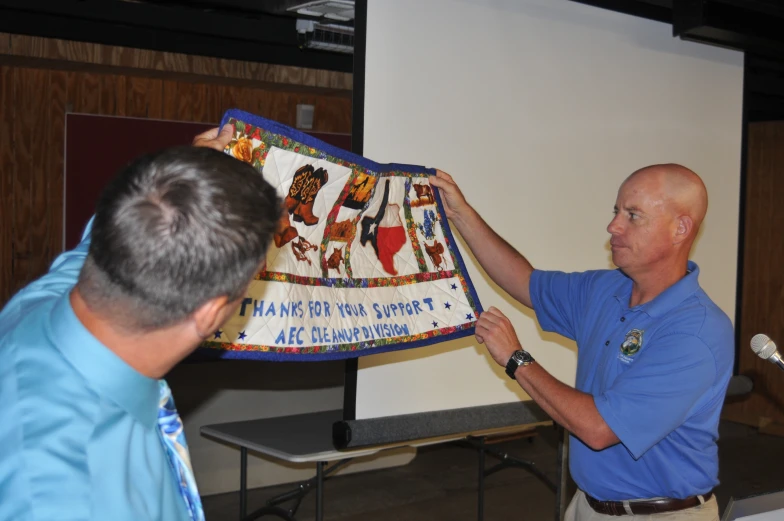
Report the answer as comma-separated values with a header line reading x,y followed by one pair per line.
x,y
631,344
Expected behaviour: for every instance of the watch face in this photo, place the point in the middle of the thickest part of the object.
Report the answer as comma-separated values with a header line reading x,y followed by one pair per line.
x,y
514,362
522,357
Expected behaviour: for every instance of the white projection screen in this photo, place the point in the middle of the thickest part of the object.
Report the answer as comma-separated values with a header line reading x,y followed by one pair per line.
x,y
539,109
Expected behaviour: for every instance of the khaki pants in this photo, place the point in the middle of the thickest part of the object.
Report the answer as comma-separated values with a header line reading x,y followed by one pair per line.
x,y
580,510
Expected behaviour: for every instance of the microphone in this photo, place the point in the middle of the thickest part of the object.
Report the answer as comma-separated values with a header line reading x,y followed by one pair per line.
x,y
765,348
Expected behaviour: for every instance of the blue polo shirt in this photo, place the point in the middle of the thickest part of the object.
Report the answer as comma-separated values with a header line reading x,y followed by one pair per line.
x,y
658,373
79,437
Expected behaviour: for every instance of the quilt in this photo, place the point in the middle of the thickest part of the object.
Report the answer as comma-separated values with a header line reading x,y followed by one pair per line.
x,y
363,260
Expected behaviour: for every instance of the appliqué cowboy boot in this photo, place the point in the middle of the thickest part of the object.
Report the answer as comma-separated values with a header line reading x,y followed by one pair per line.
x,y
307,196
284,232
291,204
294,197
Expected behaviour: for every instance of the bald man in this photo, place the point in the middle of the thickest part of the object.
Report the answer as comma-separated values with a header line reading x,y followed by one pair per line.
x,y
654,352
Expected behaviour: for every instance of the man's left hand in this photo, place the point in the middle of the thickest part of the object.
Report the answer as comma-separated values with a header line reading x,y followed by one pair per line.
x,y
496,332
214,138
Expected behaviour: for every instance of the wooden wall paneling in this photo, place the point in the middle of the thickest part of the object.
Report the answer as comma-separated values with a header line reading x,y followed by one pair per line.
x,y
264,103
763,277
55,153
39,48
89,94
179,62
246,98
199,109
184,103
231,98
108,94
7,174
148,59
24,129
332,114
170,102
154,99
40,255
121,96
249,99
213,104
283,107
309,77
136,97
33,106
322,77
72,91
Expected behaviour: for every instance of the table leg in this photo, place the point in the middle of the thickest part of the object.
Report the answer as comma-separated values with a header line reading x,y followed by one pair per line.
x,y
561,499
243,482
319,490
481,492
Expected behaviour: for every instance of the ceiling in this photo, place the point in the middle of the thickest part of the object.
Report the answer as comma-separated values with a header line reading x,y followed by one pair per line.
x,y
267,31
247,30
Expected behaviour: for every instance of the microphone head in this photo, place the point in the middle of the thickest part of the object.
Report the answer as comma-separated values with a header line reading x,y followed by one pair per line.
x,y
763,346
758,342
767,351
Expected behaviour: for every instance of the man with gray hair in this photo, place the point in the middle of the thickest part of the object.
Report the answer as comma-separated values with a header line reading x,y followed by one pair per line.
x,y
88,427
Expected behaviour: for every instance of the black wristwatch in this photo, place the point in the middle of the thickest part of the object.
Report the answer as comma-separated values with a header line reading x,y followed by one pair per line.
x,y
518,358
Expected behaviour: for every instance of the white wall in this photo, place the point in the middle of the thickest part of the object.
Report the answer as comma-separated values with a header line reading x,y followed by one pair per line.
x,y
539,109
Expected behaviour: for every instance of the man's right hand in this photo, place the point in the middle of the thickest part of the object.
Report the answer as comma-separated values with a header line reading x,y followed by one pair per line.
x,y
215,138
453,199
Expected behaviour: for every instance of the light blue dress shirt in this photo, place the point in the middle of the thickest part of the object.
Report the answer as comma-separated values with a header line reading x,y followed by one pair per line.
x,y
79,438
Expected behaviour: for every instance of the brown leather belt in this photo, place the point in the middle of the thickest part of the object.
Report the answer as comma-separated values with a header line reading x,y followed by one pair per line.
x,y
646,507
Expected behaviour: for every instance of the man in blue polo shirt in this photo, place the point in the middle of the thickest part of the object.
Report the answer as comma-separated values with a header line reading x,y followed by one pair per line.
x,y
655,353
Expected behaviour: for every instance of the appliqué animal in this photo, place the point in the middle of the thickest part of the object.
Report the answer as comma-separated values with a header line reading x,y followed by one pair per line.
x,y
301,248
343,231
424,194
334,260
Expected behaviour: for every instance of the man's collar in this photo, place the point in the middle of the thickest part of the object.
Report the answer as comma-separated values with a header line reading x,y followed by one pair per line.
x,y
106,372
668,298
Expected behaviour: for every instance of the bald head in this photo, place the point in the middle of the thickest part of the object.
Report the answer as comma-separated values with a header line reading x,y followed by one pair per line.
x,y
679,190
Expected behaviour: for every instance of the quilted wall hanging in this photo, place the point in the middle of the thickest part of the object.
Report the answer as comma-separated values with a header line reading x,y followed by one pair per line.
x,y
362,262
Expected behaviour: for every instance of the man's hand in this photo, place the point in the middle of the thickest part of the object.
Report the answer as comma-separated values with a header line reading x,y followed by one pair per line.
x,y
454,201
214,139
496,332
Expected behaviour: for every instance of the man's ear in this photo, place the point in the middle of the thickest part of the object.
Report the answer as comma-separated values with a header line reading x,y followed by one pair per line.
x,y
209,317
684,229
